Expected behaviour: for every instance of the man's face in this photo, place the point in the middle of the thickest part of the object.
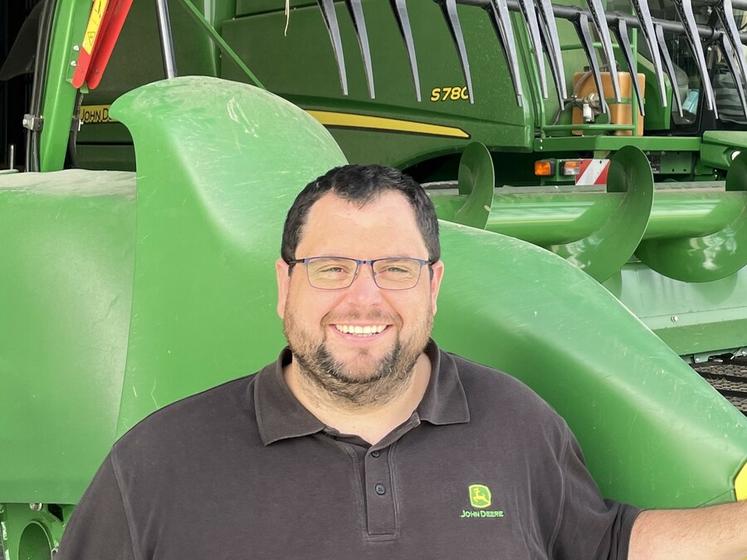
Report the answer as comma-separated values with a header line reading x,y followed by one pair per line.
x,y
358,367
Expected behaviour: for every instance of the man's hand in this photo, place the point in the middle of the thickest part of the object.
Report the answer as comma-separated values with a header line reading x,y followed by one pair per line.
x,y
709,533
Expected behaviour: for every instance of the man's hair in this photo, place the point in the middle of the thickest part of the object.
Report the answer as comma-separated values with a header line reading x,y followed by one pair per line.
x,y
361,184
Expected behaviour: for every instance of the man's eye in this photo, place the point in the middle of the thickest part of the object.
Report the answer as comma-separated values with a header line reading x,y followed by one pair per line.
x,y
331,270
397,270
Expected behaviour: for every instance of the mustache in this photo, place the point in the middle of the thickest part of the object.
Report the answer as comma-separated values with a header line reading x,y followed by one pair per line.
x,y
373,316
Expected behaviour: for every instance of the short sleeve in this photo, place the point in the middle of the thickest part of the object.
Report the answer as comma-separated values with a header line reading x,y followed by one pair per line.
x,y
589,527
98,528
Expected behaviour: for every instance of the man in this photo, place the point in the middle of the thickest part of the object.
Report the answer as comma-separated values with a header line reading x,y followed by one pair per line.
x,y
364,439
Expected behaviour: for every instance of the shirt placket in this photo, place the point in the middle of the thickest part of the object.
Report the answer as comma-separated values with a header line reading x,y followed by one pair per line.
x,y
380,492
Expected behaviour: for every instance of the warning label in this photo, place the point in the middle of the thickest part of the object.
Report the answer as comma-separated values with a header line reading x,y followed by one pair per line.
x,y
95,114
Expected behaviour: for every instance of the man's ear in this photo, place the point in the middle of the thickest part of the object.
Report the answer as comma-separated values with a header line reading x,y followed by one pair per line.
x,y
282,277
437,274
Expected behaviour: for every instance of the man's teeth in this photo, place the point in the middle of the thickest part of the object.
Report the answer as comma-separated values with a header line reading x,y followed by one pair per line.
x,y
368,330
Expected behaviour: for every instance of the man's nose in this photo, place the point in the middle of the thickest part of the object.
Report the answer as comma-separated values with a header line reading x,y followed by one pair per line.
x,y
364,286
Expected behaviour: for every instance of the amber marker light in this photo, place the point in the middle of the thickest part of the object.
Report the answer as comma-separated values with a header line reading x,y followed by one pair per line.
x,y
571,167
544,168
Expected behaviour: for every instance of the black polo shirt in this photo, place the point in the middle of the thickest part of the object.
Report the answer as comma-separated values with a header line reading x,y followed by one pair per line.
x,y
482,469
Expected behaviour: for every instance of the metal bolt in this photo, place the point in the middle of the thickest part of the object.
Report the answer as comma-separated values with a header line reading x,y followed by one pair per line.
x,y
35,506
76,48
675,318
73,63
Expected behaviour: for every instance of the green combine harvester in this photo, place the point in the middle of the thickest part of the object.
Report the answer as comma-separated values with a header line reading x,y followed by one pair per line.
x,y
594,225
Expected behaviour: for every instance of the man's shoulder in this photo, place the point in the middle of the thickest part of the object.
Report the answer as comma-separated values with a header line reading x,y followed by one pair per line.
x,y
496,394
195,421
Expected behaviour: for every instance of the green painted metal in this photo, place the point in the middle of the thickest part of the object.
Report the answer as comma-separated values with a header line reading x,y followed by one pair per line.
x,y
601,143
224,47
208,231
691,318
537,319
30,531
720,147
65,293
476,180
603,252
708,257
59,95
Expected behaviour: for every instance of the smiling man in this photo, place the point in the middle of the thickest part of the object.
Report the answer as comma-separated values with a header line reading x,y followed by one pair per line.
x,y
364,439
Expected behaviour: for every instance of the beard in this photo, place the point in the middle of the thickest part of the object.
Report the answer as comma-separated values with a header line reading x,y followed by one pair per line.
x,y
377,384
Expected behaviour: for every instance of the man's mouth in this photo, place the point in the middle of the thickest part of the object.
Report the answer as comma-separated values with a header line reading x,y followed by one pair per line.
x,y
360,330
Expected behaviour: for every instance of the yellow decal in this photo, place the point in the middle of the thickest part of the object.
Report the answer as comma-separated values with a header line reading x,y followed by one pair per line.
x,y
94,23
450,93
740,484
351,120
95,114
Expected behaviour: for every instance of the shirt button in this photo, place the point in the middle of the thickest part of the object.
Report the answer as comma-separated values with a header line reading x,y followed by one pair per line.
x,y
375,454
380,489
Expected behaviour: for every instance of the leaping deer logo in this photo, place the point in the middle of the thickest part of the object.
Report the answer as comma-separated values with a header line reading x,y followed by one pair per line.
x,y
479,496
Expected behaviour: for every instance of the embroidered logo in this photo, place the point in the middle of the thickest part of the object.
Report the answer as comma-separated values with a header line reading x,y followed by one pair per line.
x,y
480,498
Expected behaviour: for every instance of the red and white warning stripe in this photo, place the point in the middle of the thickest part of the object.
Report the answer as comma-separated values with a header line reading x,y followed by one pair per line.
x,y
593,172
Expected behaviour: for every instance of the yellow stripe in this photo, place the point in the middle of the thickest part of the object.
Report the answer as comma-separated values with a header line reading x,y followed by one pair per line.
x,y
94,23
740,484
330,118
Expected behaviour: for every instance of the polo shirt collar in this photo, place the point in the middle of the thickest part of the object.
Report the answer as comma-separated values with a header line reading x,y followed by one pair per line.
x,y
281,416
444,401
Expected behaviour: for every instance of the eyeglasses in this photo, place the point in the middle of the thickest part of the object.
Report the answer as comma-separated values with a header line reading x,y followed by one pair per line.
x,y
337,273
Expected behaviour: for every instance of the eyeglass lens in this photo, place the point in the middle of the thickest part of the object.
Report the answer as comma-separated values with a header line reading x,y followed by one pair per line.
x,y
396,273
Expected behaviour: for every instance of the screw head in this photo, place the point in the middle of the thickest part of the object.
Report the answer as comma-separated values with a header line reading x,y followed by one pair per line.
x,y
675,318
36,506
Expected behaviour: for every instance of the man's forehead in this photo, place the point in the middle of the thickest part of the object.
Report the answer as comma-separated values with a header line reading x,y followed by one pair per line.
x,y
386,217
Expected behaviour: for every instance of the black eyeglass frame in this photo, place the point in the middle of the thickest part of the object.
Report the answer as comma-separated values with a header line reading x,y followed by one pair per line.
x,y
358,262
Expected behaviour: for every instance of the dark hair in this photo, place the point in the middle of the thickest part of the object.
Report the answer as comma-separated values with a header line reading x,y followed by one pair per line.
x,y
361,184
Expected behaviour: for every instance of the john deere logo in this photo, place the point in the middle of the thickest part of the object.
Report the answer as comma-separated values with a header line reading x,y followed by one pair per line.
x,y
480,499
479,496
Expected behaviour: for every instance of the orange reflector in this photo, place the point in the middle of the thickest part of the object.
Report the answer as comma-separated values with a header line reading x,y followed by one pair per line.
x,y
571,167
544,168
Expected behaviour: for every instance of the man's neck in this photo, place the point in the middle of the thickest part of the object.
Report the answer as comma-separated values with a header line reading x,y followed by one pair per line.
x,y
369,422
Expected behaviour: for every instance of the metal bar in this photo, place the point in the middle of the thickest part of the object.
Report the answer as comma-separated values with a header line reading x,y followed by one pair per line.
x,y
685,12
455,27
222,45
167,43
526,7
551,40
649,35
725,12
571,12
600,23
359,23
583,29
669,66
329,15
403,20
729,57
580,126
621,32
501,20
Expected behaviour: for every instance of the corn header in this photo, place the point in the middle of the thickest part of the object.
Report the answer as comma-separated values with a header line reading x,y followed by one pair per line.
x,y
587,160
